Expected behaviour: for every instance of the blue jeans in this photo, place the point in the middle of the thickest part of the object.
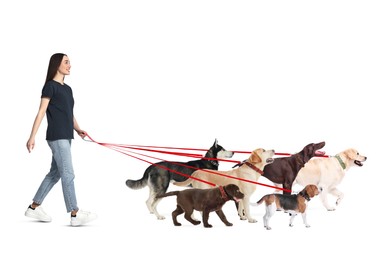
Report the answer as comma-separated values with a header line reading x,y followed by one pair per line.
x,y
61,168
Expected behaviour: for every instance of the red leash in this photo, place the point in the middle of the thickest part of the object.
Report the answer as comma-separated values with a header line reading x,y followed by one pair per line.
x,y
120,148
115,148
143,148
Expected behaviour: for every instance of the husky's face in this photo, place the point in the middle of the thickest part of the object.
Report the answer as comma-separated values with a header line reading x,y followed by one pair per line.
x,y
221,152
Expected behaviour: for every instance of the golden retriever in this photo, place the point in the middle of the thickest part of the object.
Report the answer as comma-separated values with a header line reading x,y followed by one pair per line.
x,y
250,170
328,172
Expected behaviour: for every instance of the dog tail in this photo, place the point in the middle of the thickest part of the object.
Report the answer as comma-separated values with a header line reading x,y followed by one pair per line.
x,y
138,184
258,202
171,193
183,183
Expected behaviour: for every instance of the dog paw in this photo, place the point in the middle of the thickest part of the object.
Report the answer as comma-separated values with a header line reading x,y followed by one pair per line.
x,y
243,218
177,224
229,224
208,226
252,220
331,209
307,226
291,225
160,217
197,222
268,228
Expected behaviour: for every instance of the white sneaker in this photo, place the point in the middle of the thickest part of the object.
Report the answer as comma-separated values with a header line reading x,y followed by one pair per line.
x,y
82,217
37,213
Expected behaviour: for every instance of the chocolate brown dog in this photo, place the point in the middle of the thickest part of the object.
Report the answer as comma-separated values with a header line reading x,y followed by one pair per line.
x,y
284,170
204,200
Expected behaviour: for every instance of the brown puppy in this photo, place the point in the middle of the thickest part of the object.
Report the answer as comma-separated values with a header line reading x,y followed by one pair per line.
x,y
204,200
243,177
292,204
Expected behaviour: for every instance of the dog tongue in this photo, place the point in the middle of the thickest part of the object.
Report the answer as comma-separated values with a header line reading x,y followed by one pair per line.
x,y
319,153
358,163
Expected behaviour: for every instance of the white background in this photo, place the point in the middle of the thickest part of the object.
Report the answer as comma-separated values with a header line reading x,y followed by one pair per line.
x,y
270,74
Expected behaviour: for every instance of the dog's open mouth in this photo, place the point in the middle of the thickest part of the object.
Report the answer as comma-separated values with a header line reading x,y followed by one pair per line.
x,y
236,199
319,153
269,160
358,163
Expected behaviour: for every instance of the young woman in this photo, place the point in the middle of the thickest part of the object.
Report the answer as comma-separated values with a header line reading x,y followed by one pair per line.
x,y
57,103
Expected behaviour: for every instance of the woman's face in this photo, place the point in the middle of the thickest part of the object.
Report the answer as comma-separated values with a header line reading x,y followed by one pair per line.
x,y
64,68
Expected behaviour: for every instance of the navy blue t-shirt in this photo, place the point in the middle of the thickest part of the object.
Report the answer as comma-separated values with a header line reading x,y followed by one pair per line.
x,y
59,113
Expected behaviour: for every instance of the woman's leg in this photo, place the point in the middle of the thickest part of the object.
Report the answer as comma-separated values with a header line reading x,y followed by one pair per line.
x,y
47,184
33,211
63,159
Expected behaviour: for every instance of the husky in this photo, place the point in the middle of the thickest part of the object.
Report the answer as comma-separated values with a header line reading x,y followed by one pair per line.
x,y
158,176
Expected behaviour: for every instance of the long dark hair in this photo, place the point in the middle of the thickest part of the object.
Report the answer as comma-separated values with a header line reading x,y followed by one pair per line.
x,y
54,64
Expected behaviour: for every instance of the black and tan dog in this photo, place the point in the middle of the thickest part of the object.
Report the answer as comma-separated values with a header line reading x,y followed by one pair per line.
x,y
204,200
293,204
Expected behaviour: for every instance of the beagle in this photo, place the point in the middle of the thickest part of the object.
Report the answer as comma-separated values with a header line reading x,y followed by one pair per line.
x,y
292,204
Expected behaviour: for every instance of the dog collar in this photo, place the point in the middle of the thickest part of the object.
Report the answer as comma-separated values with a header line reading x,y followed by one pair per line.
x,y
223,193
299,160
304,195
254,168
215,163
340,161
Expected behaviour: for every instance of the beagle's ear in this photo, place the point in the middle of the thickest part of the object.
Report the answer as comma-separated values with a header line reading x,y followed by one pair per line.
x,y
255,157
311,190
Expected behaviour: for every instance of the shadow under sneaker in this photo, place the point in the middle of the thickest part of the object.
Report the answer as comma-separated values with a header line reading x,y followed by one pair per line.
x,y
82,217
38,213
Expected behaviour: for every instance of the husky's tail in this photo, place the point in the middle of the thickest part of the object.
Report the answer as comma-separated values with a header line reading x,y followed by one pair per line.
x,y
171,193
138,184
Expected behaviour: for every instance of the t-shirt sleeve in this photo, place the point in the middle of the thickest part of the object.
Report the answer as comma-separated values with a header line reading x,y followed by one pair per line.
x,y
47,91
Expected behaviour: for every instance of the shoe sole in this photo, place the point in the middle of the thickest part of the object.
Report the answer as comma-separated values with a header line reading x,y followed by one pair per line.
x,y
36,217
80,223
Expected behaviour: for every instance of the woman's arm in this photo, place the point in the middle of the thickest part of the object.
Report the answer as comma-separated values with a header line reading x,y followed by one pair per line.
x,y
37,122
76,127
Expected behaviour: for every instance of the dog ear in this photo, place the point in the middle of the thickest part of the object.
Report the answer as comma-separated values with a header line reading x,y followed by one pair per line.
x,y
311,190
215,143
351,154
305,192
255,158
